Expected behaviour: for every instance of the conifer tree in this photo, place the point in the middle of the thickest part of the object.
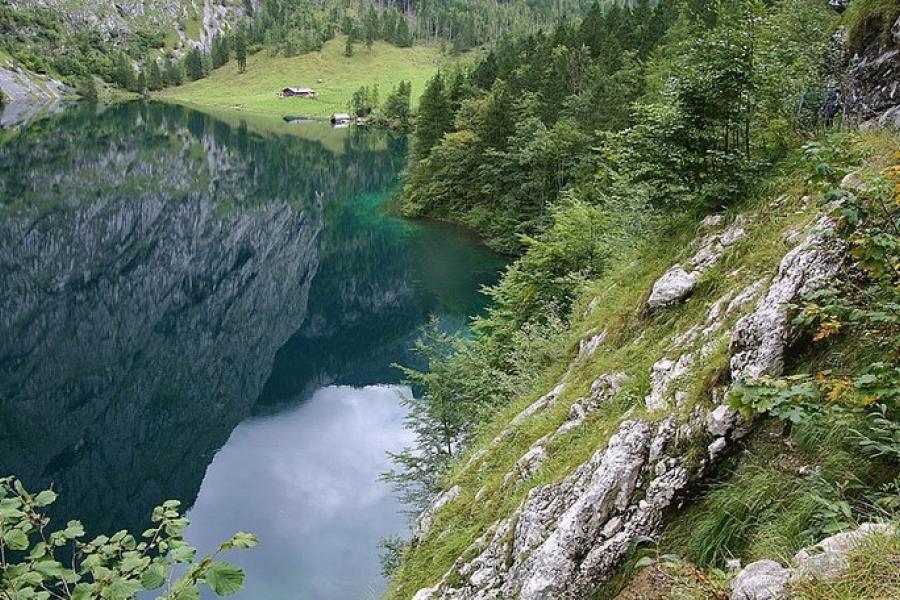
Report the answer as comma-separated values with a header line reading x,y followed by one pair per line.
x,y
371,27
174,73
141,84
154,76
124,73
348,46
434,118
220,51
403,36
193,64
240,49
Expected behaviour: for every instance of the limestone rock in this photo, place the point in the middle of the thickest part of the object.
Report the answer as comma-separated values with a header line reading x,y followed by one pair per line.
x,y
586,348
873,82
890,119
712,221
721,420
676,284
761,580
426,519
852,182
530,462
839,5
760,339
828,558
28,95
663,374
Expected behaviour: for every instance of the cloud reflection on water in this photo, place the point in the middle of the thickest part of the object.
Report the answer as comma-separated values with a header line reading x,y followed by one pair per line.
x,y
306,482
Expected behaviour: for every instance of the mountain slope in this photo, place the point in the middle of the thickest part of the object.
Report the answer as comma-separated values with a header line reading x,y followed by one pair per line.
x,y
628,422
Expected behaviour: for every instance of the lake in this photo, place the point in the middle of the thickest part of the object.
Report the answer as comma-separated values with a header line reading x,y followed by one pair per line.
x,y
208,309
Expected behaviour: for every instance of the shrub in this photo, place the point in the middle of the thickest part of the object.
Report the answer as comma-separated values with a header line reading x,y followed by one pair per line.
x,y
114,567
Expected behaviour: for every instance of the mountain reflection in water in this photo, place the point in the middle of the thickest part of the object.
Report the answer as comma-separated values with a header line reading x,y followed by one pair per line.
x,y
194,307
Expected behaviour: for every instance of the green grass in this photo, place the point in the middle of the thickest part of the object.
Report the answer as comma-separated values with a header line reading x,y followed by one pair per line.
x,y
874,574
869,22
193,27
257,90
635,340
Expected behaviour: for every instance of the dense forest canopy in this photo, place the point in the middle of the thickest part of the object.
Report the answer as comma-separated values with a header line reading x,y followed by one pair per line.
x,y
703,92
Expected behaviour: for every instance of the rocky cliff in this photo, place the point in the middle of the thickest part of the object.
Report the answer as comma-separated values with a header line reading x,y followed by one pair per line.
x,y
872,93
195,21
27,95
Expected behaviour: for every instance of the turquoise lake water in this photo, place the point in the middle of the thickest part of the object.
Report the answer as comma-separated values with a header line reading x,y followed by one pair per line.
x,y
208,311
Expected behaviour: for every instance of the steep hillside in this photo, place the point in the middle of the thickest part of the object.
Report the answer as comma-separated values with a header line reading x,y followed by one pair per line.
x,y
180,21
625,426
694,363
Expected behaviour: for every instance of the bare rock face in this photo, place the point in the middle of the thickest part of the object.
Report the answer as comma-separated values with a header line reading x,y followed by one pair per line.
x,y
872,91
426,519
761,580
761,339
567,538
121,18
28,95
678,282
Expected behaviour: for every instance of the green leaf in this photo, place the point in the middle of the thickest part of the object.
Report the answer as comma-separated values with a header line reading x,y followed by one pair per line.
x,y
243,540
190,593
45,498
122,589
39,550
9,508
50,568
74,529
183,554
94,560
16,539
83,591
133,561
644,561
154,576
224,578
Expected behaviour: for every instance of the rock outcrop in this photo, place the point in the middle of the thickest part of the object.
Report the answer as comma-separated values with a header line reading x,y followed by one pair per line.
x,y
762,580
826,560
679,281
762,338
566,538
121,18
872,92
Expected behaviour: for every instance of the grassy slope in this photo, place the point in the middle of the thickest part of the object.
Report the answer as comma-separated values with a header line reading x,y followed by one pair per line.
x,y
635,341
257,89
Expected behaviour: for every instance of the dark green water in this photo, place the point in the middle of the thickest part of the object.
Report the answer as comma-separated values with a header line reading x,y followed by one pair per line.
x,y
192,309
